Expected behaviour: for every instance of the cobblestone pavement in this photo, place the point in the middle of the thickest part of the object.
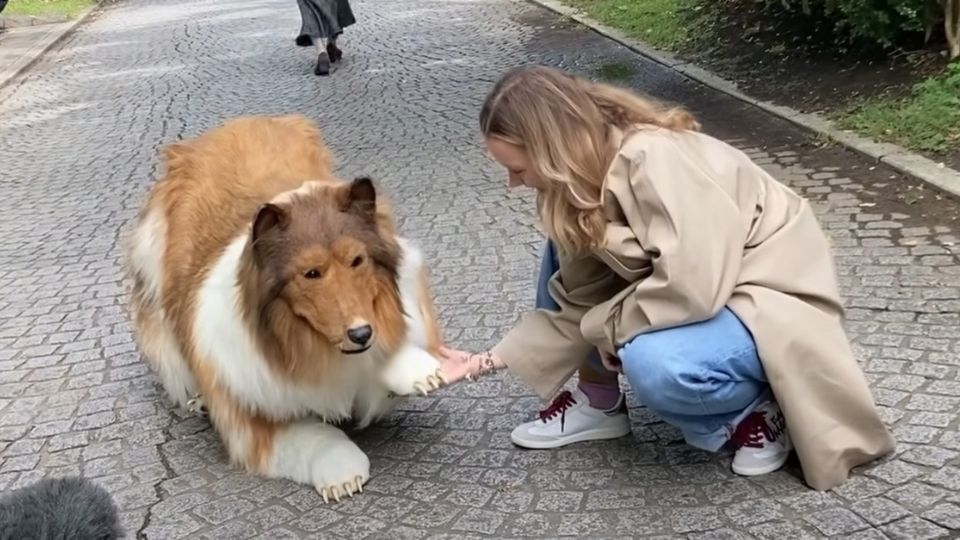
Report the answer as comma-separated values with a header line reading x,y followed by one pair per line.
x,y
78,148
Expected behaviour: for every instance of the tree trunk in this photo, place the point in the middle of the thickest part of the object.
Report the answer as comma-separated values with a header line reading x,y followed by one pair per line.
x,y
951,23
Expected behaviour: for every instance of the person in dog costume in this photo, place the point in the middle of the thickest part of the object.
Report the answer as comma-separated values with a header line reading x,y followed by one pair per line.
x,y
675,260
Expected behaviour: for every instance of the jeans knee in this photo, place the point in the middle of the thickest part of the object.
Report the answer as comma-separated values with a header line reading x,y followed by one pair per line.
x,y
658,377
695,370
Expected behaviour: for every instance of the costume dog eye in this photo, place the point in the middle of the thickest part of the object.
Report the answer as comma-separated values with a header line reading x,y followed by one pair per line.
x,y
313,273
357,261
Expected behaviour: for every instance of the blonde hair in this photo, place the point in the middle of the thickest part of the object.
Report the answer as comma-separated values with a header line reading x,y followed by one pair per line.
x,y
563,123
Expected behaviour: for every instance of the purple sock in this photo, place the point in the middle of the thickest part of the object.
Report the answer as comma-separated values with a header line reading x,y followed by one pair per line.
x,y
601,396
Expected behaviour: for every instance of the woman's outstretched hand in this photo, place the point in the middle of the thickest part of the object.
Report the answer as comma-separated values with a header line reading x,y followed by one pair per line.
x,y
454,364
458,365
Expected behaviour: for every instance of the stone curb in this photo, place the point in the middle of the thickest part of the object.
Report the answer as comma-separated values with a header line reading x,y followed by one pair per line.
x,y
51,37
896,157
19,21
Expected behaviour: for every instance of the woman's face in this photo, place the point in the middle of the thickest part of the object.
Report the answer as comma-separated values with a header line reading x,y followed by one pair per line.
x,y
516,161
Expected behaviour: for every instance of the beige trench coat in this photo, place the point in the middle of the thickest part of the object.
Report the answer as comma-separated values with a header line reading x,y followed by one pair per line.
x,y
694,225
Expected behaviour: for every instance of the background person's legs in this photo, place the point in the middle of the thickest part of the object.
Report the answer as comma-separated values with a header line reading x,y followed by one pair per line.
x,y
322,22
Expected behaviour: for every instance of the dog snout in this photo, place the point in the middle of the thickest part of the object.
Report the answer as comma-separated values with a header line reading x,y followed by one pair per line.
x,y
360,335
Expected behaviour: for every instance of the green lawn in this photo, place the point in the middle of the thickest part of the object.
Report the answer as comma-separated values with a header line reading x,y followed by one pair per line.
x,y
67,8
929,119
664,24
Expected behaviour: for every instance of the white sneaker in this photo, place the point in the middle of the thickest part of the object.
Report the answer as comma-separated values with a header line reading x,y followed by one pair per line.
x,y
762,442
570,419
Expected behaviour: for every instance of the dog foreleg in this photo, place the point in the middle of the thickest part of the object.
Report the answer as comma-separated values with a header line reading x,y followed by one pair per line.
x,y
414,368
321,455
307,451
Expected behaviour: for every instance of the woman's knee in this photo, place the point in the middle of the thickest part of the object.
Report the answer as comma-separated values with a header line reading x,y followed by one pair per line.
x,y
704,368
658,376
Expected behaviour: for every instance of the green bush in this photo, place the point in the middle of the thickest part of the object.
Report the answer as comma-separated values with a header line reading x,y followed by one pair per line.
x,y
883,22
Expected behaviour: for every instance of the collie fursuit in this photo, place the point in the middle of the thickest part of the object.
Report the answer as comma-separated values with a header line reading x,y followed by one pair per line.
x,y
281,297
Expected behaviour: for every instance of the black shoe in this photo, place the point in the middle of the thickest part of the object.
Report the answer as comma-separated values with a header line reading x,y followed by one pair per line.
x,y
323,64
334,53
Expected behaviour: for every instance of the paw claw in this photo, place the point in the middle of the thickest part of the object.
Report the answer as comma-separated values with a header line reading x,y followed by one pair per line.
x,y
341,492
419,387
443,380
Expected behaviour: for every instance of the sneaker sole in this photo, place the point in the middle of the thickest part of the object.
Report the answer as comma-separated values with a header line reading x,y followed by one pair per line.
x,y
758,471
592,435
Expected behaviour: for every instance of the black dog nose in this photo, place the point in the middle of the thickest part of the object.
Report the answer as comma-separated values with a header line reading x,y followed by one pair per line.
x,y
360,335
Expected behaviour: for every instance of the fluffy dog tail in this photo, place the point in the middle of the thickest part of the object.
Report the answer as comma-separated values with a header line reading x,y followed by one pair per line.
x,y
59,508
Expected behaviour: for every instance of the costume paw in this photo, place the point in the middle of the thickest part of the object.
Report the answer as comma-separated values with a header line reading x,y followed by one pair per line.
x,y
413,370
340,471
197,406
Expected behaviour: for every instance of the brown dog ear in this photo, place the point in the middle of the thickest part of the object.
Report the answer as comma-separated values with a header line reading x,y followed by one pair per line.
x,y
362,199
269,217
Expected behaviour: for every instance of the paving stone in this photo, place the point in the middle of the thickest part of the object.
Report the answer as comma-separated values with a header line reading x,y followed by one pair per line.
x,y
948,478
868,534
687,520
835,521
479,521
895,472
878,511
19,463
914,528
930,456
559,501
237,529
747,513
24,447
430,516
781,529
720,534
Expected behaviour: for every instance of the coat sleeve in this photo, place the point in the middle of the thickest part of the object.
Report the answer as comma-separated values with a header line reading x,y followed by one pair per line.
x,y
547,347
692,234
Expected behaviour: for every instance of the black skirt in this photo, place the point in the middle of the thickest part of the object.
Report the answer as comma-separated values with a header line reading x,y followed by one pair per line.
x,y
323,19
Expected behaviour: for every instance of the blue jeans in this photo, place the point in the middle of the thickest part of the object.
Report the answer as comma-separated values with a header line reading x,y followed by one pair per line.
x,y
702,378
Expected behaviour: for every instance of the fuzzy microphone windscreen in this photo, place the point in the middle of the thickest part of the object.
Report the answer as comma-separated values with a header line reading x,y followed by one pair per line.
x,y
59,509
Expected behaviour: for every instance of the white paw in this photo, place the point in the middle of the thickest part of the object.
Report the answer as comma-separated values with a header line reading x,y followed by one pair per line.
x,y
340,471
197,406
412,370
322,456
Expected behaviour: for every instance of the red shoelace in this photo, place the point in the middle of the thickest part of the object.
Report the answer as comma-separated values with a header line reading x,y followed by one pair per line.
x,y
559,405
752,431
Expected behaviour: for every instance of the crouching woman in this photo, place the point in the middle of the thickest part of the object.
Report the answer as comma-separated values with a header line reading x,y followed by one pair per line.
x,y
673,259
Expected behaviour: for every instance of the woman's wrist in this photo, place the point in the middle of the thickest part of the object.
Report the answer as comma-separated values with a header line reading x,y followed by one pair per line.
x,y
483,364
